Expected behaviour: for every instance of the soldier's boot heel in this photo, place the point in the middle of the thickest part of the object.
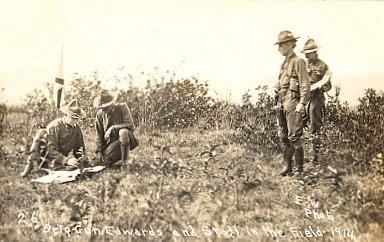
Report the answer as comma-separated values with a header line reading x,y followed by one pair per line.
x,y
287,171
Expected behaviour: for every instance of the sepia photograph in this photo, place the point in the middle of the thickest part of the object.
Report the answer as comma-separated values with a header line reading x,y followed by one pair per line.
x,y
191,120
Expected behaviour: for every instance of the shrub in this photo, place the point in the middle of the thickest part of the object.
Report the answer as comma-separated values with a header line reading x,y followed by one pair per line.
x,y
256,123
165,105
177,104
169,104
369,125
85,90
355,133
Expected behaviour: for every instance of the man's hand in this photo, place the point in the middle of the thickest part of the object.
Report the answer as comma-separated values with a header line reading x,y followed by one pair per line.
x,y
72,162
300,108
107,134
64,160
326,87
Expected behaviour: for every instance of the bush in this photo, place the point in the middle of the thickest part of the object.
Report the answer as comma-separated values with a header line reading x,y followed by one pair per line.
x,y
177,104
355,133
3,113
168,104
369,125
256,123
85,90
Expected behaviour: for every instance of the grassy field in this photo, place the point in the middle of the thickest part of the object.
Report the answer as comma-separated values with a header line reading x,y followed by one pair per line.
x,y
208,188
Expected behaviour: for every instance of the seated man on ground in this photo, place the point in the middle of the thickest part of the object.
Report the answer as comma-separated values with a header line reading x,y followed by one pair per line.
x,y
51,146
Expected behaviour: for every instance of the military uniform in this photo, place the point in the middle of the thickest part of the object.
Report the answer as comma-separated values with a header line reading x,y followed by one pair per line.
x,y
114,128
59,139
292,90
110,148
316,70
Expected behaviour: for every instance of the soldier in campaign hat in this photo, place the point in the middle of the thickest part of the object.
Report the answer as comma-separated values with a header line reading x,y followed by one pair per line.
x,y
62,136
114,128
319,77
292,95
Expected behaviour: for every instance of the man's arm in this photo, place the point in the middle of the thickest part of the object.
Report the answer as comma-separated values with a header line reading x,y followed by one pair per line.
x,y
127,119
100,141
53,143
304,85
79,149
324,83
327,86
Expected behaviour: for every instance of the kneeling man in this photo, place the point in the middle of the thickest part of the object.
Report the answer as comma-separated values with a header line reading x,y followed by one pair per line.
x,y
114,128
51,146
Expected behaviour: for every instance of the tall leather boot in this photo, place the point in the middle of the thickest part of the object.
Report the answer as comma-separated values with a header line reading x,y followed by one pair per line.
x,y
28,168
299,159
124,149
287,156
315,148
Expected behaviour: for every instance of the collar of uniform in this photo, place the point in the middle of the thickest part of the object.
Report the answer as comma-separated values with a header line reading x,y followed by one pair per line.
x,y
110,110
290,56
287,59
314,61
68,126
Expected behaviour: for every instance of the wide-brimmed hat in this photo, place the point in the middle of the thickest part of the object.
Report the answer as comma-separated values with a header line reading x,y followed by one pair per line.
x,y
73,110
104,99
310,46
285,36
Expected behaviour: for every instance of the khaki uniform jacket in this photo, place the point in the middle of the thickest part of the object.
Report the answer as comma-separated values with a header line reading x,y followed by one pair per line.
x,y
293,80
120,114
316,70
64,138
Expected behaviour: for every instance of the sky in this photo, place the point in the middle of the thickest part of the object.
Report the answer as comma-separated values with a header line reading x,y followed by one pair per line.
x,y
230,43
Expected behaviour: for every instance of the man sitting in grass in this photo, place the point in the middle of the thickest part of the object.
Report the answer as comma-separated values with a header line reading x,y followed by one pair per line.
x,y
52,145
114,128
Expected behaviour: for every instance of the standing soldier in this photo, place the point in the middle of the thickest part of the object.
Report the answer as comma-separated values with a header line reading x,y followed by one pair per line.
x,y
319,77
292,97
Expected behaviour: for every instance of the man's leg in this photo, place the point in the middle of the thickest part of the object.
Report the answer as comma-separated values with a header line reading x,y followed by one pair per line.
x,y
285,143
315,147
287,156
35,151
117,150
28,168
316,114
112,153
299,157
295,132
124,145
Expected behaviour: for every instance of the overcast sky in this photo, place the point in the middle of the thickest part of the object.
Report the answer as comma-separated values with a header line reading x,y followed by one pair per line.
x,y
229,43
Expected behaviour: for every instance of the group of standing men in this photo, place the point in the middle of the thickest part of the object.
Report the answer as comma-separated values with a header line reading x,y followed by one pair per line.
x,y
300,93
300,90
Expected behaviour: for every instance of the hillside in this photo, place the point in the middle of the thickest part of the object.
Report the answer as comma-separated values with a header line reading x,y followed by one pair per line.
x,y
236,195
219,181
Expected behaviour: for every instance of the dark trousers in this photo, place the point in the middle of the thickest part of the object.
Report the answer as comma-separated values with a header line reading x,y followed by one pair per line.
x,y
112,152
290,125
316,113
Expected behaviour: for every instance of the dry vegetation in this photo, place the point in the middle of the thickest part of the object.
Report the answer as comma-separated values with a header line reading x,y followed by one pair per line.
x,y
218,182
